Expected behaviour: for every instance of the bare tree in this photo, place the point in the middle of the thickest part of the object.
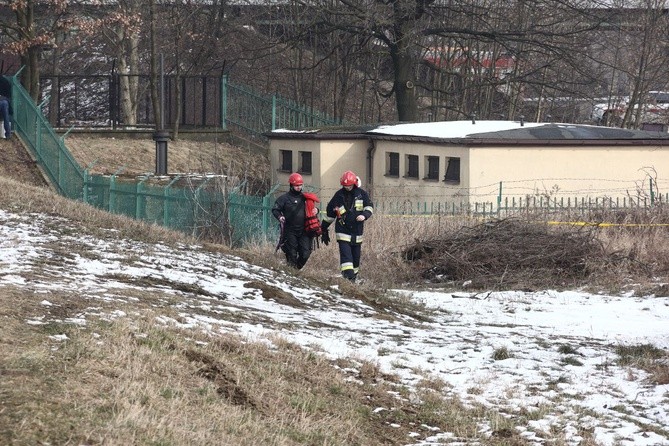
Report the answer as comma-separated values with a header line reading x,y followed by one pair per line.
x,y
488,51
648,60
32,31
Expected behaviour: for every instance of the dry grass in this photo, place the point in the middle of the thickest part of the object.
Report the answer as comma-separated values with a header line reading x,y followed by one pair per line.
x,y
133,381
522,253
132,157
646,357
382,265
25,198
136,382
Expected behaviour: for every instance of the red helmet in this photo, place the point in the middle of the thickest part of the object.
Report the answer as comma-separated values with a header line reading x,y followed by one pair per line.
x,y
348,178
295,179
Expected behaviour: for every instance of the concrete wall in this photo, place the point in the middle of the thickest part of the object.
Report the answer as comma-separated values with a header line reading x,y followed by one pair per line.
x,y
330,158
396,189
575,172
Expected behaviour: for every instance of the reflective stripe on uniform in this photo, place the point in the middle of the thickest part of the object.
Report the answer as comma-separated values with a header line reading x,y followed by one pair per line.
x,y
327,219
342,237
368,208
347,266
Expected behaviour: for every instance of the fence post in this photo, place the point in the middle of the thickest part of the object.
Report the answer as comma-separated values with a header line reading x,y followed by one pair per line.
x,y
267,209
139,200
112,193
652,194
224,101
85,191
265,215
166,213
274,112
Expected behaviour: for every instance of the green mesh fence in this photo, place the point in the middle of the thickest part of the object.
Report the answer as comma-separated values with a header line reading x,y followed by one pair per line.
x,y
250,218
257,114
62,170
202,211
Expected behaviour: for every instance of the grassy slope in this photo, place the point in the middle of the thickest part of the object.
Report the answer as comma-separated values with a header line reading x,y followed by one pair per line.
x,y
106,385
132,382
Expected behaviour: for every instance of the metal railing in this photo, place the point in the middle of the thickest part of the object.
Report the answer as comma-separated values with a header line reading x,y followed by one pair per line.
x,y
199,102
196,210
508,206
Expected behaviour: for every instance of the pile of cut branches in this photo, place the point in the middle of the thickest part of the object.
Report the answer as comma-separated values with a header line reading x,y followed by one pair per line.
x,y
510,253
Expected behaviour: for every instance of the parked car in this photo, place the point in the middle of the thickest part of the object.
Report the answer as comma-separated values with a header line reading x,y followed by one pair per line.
x,y
655,109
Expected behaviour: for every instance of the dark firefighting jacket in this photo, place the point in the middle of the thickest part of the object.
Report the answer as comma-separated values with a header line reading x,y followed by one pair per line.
x,y
343,209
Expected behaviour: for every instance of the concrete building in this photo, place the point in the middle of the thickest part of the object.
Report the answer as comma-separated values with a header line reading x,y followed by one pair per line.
x,y
443,163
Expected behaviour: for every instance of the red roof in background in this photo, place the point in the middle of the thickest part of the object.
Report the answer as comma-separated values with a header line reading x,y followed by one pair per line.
x,y
448,57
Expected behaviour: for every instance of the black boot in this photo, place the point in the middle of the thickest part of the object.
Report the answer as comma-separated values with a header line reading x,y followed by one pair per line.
x,y
349,274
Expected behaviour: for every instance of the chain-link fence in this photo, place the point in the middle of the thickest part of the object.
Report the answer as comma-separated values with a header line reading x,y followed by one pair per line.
x,y
207,209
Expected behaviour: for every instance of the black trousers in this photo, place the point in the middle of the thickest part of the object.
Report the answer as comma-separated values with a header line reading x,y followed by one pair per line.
x,y
349,259
297,247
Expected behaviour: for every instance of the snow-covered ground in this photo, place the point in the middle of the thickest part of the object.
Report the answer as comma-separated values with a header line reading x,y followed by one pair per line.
x,y
562,365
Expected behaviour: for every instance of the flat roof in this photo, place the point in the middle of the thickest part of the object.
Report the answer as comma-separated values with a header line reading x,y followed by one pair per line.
x,y
482,132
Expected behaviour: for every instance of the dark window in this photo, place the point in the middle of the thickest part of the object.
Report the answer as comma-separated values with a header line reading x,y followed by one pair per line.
x,y
432,167
452,170
286,160
393,164
305,162
412,166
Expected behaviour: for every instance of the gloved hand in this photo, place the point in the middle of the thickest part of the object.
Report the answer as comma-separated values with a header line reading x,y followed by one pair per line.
x,y
325,238
282,219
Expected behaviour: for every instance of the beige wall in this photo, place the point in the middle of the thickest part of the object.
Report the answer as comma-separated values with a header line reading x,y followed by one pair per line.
x,y
388,189
330,158
338,157
566,171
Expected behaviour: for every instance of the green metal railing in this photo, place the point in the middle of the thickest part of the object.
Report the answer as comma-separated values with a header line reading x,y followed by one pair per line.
x,y
63,172
257,114
236,217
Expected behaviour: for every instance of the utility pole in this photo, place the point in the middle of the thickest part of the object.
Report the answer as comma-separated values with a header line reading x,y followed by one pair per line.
x,y
160,136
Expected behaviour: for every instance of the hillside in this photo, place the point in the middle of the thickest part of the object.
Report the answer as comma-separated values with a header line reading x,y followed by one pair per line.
x,y
17,164
118,333
115,332
109,154
133,156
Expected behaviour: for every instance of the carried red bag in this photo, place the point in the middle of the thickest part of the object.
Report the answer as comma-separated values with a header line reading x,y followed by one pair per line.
x,y
312,226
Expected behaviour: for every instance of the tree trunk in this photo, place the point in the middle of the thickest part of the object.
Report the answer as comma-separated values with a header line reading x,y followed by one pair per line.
x,y
405,95
25,19
153,77
54,98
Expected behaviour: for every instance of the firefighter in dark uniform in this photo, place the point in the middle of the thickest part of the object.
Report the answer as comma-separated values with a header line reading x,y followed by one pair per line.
x,y
289,209
348,209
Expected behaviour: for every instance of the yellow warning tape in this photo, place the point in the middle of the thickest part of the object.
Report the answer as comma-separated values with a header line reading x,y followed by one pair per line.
x,y
607,225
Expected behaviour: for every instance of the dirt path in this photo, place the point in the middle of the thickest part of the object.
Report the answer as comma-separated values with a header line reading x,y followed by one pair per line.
x,y
17,163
